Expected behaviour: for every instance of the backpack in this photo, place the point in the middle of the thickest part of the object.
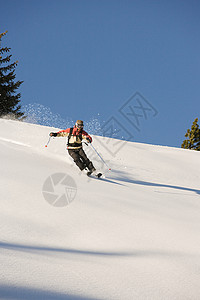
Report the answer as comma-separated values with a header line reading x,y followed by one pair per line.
x,y
70,134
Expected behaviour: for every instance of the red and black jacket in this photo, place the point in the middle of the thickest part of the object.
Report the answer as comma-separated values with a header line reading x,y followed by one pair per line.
x,y
75,137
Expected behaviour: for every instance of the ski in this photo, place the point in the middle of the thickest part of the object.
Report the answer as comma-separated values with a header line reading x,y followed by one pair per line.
x,y
98,175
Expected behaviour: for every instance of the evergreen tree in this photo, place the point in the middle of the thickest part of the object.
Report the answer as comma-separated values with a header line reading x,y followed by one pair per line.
x,y
9,100
193,137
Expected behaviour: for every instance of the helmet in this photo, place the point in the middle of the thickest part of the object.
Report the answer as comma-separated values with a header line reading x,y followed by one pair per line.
x,y
79,124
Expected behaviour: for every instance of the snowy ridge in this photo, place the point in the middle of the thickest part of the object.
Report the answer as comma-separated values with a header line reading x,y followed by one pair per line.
x,y
132,235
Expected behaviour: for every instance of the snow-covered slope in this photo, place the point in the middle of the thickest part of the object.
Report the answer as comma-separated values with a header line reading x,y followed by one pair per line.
x,y
132,235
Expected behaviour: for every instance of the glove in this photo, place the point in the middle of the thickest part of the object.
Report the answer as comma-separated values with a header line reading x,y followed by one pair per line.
x,y
54,134
88,140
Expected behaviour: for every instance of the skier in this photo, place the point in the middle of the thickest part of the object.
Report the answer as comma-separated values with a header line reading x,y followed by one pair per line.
x,y
74,145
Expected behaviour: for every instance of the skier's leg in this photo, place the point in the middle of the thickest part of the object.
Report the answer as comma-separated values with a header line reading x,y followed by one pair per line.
x,y
76,157
86,160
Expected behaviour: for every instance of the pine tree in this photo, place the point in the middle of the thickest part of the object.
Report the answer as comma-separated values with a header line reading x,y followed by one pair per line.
x,y
193,137
9,100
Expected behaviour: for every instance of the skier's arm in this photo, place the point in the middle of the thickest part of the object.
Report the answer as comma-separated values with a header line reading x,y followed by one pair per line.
x,y
60,133
86,136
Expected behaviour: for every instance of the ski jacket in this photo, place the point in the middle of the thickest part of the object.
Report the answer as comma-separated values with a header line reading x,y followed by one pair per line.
x,y
75,138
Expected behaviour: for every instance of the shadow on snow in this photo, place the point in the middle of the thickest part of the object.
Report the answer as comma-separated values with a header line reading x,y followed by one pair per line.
x,y
44,249
34,249
24,293
120,176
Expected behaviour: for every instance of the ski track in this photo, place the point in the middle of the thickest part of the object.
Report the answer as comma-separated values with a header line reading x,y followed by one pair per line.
x,y
14,142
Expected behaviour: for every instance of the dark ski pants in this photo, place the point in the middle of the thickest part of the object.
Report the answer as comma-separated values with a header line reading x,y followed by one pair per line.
x,y
80,158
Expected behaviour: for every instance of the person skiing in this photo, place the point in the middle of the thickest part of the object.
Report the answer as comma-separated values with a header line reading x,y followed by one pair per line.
x,y
74,145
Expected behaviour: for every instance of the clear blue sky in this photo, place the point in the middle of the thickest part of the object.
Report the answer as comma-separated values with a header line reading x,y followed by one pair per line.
x,y
85,58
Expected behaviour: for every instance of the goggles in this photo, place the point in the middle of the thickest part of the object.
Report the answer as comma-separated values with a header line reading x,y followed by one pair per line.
x,y
79,125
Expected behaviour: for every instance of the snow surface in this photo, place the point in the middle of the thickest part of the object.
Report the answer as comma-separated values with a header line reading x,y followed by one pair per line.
x,y
132,235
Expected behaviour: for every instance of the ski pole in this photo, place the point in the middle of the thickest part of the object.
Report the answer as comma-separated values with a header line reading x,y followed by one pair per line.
x,y
101,157
48,141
